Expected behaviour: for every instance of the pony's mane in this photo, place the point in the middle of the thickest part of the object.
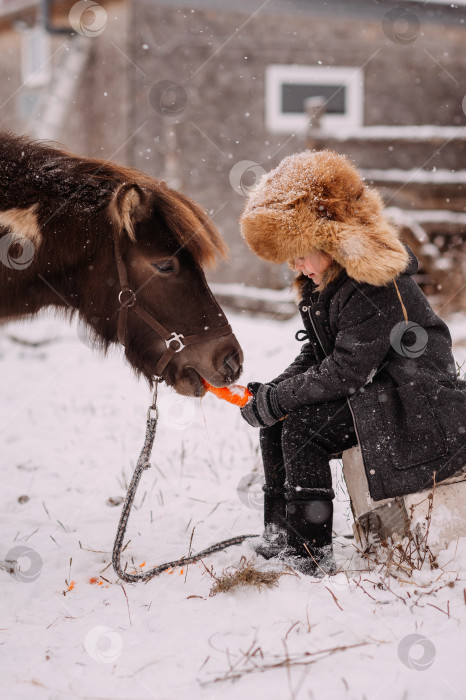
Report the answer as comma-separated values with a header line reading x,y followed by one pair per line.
x,y
189,225
187,222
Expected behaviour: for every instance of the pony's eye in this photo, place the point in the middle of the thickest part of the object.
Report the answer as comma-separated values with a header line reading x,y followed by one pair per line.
x,y
166,267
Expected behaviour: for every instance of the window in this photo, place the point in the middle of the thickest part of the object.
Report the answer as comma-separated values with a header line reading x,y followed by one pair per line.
x,y
286,88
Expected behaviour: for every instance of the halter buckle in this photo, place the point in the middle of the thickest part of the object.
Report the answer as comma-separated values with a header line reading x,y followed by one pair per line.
x,y
131,301
177,338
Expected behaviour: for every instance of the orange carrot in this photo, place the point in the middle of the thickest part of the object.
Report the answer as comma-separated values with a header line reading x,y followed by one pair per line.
x,y
235,394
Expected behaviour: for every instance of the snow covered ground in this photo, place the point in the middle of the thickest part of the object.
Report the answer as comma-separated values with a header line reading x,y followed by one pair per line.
x,y
72,424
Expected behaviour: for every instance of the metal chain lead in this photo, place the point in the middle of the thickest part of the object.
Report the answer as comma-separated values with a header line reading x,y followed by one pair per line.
x,y
142,464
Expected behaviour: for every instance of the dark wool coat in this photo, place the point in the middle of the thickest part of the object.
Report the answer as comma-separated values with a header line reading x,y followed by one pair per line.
x,y
408,407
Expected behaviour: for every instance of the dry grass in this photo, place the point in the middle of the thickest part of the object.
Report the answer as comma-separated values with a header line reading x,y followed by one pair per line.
x,y
244,575
254,661
402,558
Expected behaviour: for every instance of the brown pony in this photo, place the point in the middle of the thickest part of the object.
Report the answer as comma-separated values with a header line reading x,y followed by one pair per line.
x,y
122,250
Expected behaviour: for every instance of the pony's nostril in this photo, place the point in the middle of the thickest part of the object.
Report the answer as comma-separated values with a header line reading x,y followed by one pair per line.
x,y
232,362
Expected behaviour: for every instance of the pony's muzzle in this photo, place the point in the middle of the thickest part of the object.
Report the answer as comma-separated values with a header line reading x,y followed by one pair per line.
x,y
229,366
232,362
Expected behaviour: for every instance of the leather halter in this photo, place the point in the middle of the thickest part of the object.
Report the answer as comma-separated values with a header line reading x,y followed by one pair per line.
x,y
175,342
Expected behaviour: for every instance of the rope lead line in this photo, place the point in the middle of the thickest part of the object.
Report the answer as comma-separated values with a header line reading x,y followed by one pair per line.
x,y
142,464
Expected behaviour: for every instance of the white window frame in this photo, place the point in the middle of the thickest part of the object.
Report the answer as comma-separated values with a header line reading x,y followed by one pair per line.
x,y
276,75
36,64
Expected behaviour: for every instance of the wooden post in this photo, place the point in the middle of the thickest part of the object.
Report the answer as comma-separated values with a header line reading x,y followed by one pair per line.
x,y
396,517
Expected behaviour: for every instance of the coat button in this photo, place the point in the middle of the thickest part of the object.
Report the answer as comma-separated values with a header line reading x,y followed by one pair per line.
x,y
372,471
305,308
317,313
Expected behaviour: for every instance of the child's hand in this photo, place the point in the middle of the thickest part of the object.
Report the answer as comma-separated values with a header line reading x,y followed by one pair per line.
x,y
263,409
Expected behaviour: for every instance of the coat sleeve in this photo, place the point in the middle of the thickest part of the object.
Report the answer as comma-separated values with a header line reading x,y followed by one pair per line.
x,y
365,320
300,364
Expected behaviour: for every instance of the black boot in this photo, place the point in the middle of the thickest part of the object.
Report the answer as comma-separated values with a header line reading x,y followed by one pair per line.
x,y
309,526
274,538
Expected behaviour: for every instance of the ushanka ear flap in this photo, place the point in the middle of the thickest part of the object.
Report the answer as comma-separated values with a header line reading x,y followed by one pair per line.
x,y
272,234
259,230
280,233
371,254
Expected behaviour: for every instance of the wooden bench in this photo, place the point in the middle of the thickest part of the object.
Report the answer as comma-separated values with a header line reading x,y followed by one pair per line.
x,y
396,517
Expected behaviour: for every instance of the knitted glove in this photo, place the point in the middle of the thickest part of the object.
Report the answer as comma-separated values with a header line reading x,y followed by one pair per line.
x,y
263,409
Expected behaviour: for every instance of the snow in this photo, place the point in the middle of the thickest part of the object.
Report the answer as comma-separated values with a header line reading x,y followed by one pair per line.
x,y
72,426
411,132
438,176
245,291
450,3
422,216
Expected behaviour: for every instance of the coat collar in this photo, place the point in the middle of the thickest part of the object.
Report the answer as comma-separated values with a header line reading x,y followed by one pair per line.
x,y
310,293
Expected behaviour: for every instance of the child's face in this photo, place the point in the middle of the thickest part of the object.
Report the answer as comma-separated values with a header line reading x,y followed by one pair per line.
x,y
313,265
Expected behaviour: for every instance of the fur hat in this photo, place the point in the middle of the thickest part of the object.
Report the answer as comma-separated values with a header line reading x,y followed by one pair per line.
x,y
318,200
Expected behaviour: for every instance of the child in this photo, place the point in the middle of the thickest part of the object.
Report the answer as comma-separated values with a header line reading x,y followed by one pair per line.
x,y
377,368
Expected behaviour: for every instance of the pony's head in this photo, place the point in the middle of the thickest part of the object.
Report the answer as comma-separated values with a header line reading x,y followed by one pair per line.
x,y
165,242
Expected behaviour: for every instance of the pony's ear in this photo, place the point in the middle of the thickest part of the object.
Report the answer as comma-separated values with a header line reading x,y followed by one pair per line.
x,y
129,206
